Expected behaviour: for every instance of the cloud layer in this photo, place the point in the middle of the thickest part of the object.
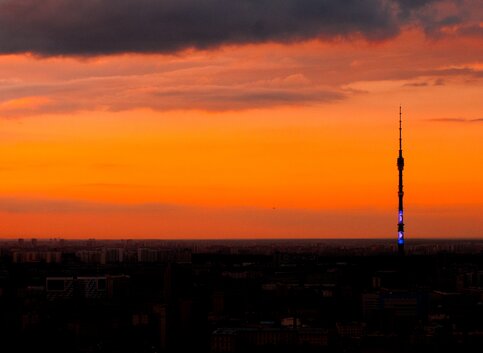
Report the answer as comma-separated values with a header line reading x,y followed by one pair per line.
x,y
93,27
75,218
458,120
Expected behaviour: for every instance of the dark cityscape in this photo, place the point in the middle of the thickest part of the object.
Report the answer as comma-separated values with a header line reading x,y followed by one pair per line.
x,y
241,296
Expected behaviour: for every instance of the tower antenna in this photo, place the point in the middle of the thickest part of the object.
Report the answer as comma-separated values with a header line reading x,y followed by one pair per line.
x,y
400,128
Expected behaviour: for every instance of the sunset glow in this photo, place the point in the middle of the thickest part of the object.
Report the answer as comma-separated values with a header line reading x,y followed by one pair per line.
x,y
267,138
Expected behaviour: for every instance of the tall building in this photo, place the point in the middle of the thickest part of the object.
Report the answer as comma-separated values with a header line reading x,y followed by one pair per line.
x,y
400,167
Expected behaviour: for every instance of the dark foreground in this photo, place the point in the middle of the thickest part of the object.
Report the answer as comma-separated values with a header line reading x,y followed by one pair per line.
x,y
240,296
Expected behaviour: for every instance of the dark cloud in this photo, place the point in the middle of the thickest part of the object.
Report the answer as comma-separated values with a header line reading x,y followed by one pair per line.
x,y
435,28
95,27
472,30
415,4
236,98
457,120
408,7
160,94
457,71
416,84
439,82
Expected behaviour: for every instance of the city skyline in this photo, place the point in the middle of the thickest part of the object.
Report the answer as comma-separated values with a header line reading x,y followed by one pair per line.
x,y
279,122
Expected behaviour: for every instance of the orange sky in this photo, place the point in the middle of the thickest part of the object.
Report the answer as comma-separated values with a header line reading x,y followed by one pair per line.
x,y
250,140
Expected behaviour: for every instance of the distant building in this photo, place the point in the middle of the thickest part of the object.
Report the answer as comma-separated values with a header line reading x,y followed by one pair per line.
x,y
91,256
161,311
386,308
113,255
351,329
314,337
36,256
87,287
118,286
92,287
58,288
147,255
224,341
227,340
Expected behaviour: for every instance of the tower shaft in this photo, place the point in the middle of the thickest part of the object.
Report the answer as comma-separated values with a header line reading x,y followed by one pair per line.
x,y
400,167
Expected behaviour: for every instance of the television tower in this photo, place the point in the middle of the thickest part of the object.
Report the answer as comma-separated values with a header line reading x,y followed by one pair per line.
x,y
400,167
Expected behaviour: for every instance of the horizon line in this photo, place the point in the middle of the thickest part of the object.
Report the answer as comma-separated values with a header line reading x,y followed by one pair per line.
x,y
235,239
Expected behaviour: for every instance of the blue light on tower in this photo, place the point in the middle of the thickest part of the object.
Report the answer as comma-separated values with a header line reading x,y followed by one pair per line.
x,y
400,233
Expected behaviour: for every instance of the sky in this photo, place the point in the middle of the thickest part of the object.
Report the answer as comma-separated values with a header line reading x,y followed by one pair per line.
x,y
240,118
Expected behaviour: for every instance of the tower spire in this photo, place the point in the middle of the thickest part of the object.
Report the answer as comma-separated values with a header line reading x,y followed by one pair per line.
x,y
400,128
400,167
